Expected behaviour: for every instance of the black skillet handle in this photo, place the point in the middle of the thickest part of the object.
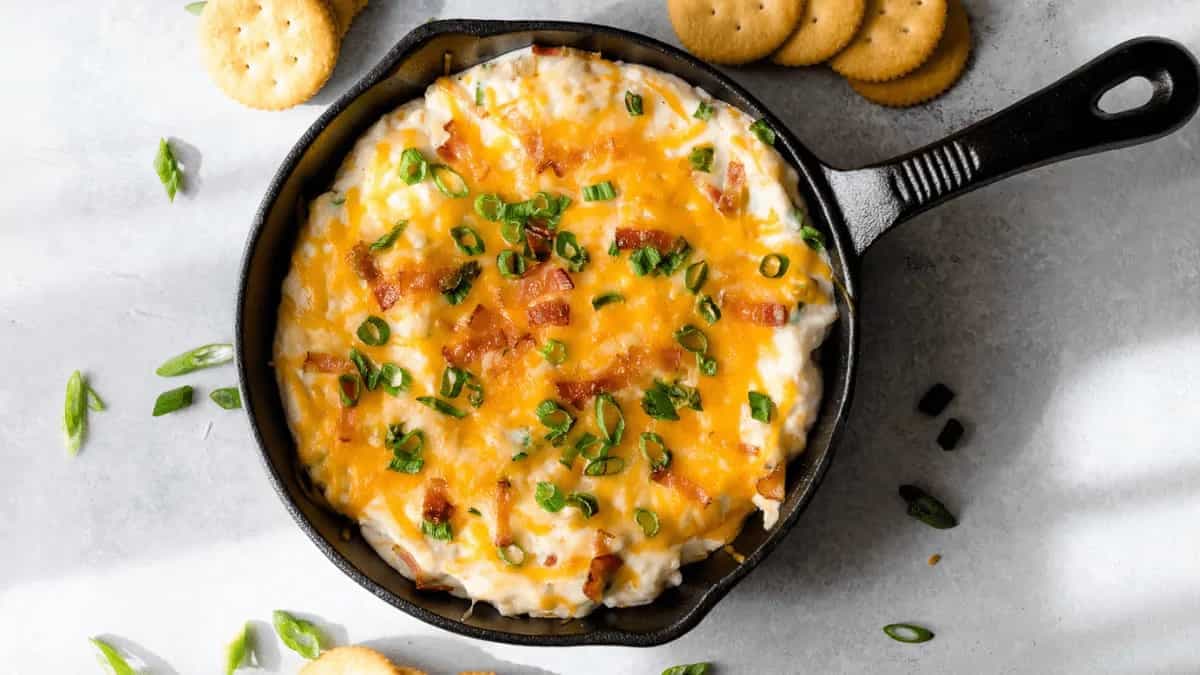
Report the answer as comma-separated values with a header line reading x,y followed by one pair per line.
x,y
1059,122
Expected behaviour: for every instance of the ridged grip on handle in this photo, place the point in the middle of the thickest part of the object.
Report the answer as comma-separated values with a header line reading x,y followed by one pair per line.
x,y
1062,121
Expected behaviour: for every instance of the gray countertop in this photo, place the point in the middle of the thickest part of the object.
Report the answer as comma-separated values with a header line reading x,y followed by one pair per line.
x,y
1061,305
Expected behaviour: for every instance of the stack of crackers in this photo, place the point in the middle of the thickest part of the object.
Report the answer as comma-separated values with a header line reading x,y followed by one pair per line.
x,y
893,52
362,661
273,54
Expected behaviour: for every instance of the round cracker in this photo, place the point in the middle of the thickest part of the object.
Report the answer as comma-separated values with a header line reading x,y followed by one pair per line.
x,y
938,74
344,12
355,661
733,31
896,37
824,29
269,54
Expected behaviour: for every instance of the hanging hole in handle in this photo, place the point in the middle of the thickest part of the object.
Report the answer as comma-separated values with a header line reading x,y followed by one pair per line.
x,y
1132,94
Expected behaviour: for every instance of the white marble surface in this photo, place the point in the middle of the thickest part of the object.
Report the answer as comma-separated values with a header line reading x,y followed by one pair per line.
x,y
1062,306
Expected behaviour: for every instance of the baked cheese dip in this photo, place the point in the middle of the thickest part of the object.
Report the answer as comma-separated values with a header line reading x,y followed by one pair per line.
x,y
549,336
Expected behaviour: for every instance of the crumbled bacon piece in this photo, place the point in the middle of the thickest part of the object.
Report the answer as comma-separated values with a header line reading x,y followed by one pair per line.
x,y
457,149
578,393
539,238
420,578
729,198
685,487
326,363
363,262
485,331
771,486
550,312
772,314
626,368
546,51
600,574
630,238
347,424
503,511
437,507
543,280
751,450
551,560
603,542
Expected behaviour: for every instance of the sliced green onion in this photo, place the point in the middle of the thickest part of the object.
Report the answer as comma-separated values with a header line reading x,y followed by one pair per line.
x,y
599,192
462,189
475,397
707,308
645,260
440,531
556,418
167,168
706,364
227,397
297,635
374,331
456,287
606,299
366,369
605,465
113,658
548,496
812,237
413,167
75,412
908,633
170,401
554,351
927,508
478,94
467,239
681,394
585,502
773,265
349,389
489,206
238,650
94,402
453,380
570,452
656,402
681,250
513,231
687,669
701,158
633,104
567,247
441,406
704,111
196,8
763,131
394,379
647,520
604,403
511,264
512,555
195,359
474,511
695,276
658,460
760,406
692,339
406,447
520,456
385,242
337,199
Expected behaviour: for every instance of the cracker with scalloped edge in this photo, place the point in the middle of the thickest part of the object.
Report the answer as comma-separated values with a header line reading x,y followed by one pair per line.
x,y
733,31
938,74
344,12
896,37
824,29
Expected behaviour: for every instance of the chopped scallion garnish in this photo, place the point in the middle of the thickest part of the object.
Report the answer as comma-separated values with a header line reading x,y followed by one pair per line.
x,y
394,379
75,412
763,131
706,364
704,111
170,401
607,407
760,406
567,247
908,633
647,520
441,531
692,339
386,241
599,192
633,104
549,497
374,331
511,264
467,239
554,351
478,93
413,166
695,276
773,265
512,555
812,237
455,188
489,206
701,158
456,286
556,418
366,369
453,380
441,406
349,389
707,308
227,397
195,359
605,465
406,447
656,402
297,635
585,502
606,299
660,457
645,260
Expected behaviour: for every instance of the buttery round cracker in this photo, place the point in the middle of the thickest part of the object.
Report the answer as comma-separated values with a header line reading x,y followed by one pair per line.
x,y
733,31
344,12
355,661
938,74
896,37
824,29
269,54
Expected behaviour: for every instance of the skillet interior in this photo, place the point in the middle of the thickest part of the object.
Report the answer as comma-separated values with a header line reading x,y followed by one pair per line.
x,y
309,168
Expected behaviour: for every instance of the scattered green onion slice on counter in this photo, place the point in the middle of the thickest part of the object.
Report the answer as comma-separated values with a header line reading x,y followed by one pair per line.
x,y
704,111
167,168
611,435
366,369
456,188
554,351
206,356
413,167
701,158
707,308
656,403
908,633
647,520
773,265
512,555
374,331
567,247
297,635
692,339
196,8
511,264
441,531
927,508
599,192
812,237
441,406
585,502
606,299
453,380
688,669
489,206
172,400
549,497
633,104
556,418
394,379
763,131
238,650
605,465
94,402
706,364
695,276
760,406
385,242
228,398
75,412
660,459
467,239
349,389
113,658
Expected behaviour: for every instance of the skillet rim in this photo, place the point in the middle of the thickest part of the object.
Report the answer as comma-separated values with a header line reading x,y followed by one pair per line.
x,y
813,176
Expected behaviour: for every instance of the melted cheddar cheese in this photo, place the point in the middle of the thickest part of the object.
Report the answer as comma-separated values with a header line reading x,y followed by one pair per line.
x,y
553,121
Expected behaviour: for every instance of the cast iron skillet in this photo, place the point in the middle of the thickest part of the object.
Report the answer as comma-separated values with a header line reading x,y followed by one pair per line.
x,y
852,207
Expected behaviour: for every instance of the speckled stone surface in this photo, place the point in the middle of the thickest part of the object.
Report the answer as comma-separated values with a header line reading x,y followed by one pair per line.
x,y
1061,305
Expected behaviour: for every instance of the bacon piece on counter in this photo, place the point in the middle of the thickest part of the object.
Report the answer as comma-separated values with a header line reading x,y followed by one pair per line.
x,y
687,488
503,512
437,507
773,314
543,280
771,485
550,312
631,238
322,362
600,574
347,424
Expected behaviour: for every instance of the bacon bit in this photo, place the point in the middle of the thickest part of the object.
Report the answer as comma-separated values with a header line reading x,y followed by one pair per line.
x,y
600,573
729,199
630,238
578,393
635,364
386,292
551,560
326,363
422,280
687,488
551,312
545,279
603,542
437,507
457,149
347,424
503,511
540,239
771,485
773,314
751,450
547,51
670,357
421,579
486,331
